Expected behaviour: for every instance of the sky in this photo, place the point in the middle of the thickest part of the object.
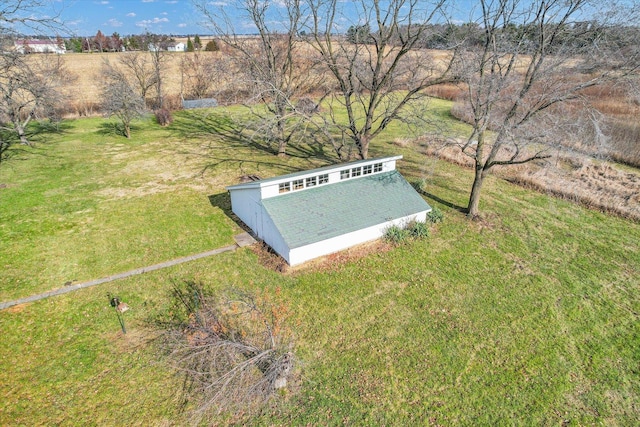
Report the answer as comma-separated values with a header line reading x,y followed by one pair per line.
x,y
86,17
179,17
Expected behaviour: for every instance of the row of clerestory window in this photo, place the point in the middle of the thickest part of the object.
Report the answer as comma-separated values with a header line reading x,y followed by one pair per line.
x,y
360,170
312,181
299,184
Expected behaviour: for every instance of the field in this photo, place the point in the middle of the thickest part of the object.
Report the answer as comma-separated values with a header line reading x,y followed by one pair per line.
x,y
85,92
527,317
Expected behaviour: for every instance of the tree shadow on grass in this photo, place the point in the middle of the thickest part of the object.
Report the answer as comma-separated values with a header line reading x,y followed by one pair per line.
x,y
115,129
235,134
415,168
43,127
37,133
446,203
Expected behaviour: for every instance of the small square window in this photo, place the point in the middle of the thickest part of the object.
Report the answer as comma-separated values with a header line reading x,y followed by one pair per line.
x,y
356,171
377,167
284,187
323,179
311,181
298,184
345,174
367,169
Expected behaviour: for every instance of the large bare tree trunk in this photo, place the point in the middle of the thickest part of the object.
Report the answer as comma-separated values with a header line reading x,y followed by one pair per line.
x,y
363,146
281,137
480,173
20,130
474,198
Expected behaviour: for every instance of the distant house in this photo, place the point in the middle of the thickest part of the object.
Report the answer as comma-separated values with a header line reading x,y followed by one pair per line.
x,y
170,47
176,47
313,213
38,46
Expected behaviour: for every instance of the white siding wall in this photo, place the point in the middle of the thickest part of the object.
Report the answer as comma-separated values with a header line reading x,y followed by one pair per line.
x,y
244,203
270,191
273,238
336,244
389,166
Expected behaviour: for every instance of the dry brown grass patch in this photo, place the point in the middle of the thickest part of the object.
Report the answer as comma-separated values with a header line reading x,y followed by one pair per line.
x,y
576,177
595,184
268,258
447,91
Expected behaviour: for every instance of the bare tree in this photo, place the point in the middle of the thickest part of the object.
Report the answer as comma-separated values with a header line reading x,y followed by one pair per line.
x,y
234,350
21,16
120,99
156,46
140,70
272,65
535,57
377,76
200,74
28,88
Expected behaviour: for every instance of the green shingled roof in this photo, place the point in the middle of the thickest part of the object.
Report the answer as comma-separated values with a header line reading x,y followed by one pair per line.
x,y
316,214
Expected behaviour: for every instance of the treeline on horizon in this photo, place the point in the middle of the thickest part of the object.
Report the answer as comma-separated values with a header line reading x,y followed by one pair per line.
x,y
434,36
116,43
450,35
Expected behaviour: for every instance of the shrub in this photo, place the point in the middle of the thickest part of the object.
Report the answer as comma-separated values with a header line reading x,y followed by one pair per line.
x,y
172,102
447,91
306,105
163,116
211,46
396,234
435,215
418,230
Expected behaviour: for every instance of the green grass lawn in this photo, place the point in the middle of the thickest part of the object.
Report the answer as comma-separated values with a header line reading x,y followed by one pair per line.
x,y
528,317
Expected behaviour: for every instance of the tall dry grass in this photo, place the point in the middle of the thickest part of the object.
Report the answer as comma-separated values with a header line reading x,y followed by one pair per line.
x,y
448,91
572,176
85,93
620,120
622,124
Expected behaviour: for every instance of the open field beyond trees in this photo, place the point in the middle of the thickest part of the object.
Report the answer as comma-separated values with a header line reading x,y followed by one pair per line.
x,y
86,68
618,107
529,316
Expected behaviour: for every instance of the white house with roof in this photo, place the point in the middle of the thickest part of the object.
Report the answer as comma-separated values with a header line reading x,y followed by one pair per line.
x,y
313,213
169,47
176,47
39,46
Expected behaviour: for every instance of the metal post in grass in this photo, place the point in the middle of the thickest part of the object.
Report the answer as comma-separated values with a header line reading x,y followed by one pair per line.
x,y
120,307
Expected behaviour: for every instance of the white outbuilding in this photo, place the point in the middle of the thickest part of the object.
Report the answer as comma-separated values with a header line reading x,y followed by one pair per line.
x,y
176,47
305,215
39,46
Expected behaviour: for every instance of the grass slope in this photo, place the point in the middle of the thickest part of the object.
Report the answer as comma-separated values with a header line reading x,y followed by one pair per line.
x,y
527,317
